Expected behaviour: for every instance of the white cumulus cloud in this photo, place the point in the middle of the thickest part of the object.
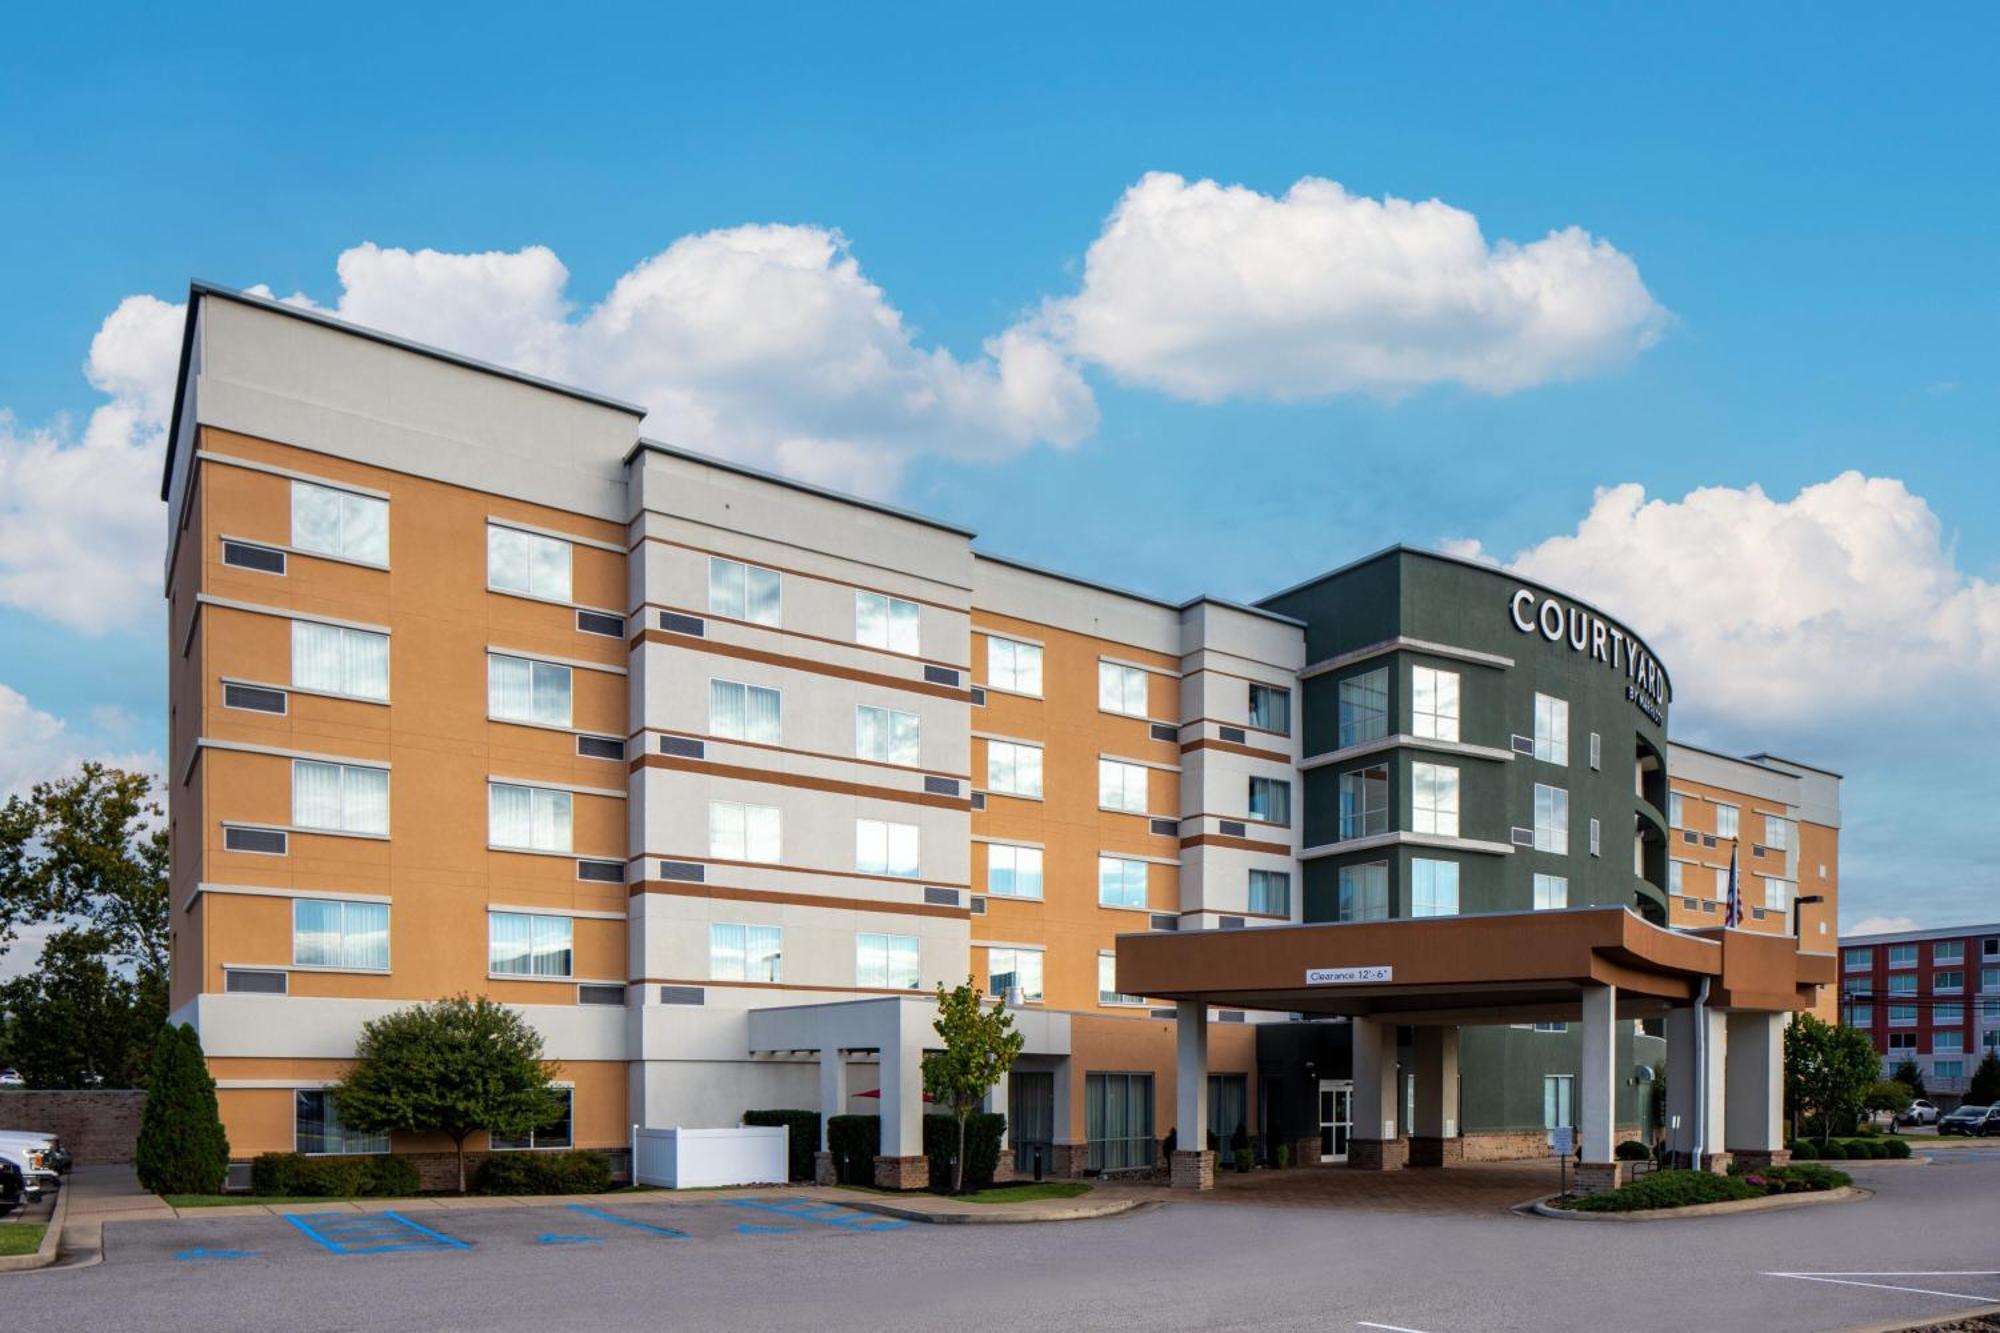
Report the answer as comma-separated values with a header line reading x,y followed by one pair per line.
x,y
36,746
1211,291
1880,925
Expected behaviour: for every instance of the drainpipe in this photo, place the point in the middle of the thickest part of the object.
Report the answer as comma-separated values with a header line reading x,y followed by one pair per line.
x,y
1700,1074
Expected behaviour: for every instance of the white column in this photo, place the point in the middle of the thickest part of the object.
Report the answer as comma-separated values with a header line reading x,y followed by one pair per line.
x,y
1374,1079
1437,1083
1597,1079
832,1089
1191,1075
1699,1102
1754,1082
1065,1089
996,1104
903,1087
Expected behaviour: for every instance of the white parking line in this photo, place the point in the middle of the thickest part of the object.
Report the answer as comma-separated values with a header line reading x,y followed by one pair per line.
x,y
1387,1328
1852,1279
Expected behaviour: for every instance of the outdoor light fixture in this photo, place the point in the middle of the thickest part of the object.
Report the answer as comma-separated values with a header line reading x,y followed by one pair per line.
x,y
1800,902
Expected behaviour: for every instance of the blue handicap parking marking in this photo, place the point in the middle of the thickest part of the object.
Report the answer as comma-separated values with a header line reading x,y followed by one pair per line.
x,y
187,1256
825,1214
752,1229
557,1238
371,1233
634,1223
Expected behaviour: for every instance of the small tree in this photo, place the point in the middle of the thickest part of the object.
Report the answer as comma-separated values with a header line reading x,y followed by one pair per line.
x,y
182,1148
980,1046
1828,1070
1984,1089
454,1067
1887,1095
1910,1076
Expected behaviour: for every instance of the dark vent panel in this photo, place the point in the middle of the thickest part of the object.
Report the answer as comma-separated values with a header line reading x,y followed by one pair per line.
x,y
1164,921
978,697
683,995
979,800
601,872
938,675
1166,828
680,624
1160,1013
1524,745
684,746
600,747
1229,1015
978,906
1232,828
1524,837
1230,922
941,897
1164,732
269,841
1234,735
260,558
685,872
253,697
254,983
941,786
600,995
596,622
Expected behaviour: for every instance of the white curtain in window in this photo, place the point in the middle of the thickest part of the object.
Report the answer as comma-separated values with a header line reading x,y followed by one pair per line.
x,y
340,660
315,794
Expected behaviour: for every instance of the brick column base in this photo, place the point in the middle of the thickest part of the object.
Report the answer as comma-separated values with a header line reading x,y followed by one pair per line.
x,y
1305,1152
1599,1177
1067,1161
823,1169
1003,1170
1378,1154
1752,1158
1427,1150
1193,1171
1717,1163
902,1173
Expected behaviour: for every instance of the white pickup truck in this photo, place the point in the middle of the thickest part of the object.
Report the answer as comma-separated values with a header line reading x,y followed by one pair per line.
x,y
37,1156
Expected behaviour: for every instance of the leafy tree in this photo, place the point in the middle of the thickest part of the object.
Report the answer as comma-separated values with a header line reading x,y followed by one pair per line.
x,y
1910,1076
455,1067
182,1148
980,1046
1828,1070
1887,1095
75,1022
1984,1089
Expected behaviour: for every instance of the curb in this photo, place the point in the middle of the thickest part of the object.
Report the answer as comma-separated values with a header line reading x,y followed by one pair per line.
x,y
1769,1204
51,1240
1107,1208
1929,1321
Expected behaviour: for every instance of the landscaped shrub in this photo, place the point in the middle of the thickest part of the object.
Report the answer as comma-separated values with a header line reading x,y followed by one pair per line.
x,y
982,1148
181,1149
1831,1151
1867,1129
1804,1150
855,1141
1668,1189
803,1139
290,1174
1631,1150
1898,1148
544,1173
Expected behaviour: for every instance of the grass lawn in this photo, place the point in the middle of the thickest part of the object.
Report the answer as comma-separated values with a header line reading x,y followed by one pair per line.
x,y
21,1237
1047,1189
232,1200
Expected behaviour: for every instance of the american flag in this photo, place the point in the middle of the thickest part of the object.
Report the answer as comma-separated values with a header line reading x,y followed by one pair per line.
x,y
1733,914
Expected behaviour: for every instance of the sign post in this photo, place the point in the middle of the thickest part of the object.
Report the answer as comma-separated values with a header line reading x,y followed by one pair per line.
x,y
1562,1142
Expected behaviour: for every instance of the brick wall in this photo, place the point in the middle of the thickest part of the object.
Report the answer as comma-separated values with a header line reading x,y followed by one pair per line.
x,y
95,1125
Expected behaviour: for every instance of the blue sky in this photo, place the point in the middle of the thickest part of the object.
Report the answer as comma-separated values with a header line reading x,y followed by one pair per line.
x,y
1806,192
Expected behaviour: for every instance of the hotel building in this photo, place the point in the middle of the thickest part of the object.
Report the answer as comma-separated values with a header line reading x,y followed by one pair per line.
x,y
1931,997
716,777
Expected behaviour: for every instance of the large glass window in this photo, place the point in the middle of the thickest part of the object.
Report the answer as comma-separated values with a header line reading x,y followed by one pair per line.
x,y
1725,820
1860,960
340,934
520,690
743,592
1014,770
526,944
1271,892
535,819
739,952
1947,1043
742,712
886,962
1434,799
1121,882
1777,894
738,832
1902,1015
1551,819
340,523
1947,1015
1551,893
1364,707
1434,703
317,1131
886,622
1013,872
1948,1069
1014,967
1271,800
339,660
527,562
1905,984
1107,982
1121,786
1948,951
1558,1101
340,798
1121,689
1551,729
1118,1121
1777,832
1861,1016
887,735
1271,709
1902,955
1364,802
1989,978
882,848
1013,665
1364,892
1676,809
1676,876
1433,887
557,1133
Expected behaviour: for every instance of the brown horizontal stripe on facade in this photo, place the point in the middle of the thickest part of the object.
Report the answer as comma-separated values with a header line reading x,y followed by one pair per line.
x,y
1240,726
766,985
805,573
798,780
1231,747
721,649
816,638
809,754
799,870
1238,819
1240,844
676,889
1219,911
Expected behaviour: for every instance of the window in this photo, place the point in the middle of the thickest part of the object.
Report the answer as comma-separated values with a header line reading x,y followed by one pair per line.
x,y
1676,874
1271,708
1596,751
1551,729
1433,888
745,953
1947,1015
1725,821
1991,1040
1364,892
1903,985
340,798
1271,892
536,819
1013,872
1676,809
340,523
742,712
520,690
338,660
1551,819
1107,982
882,848
738,832
1552,1027
1121,786
1860,960
525,944
1271,800
1989,978
1777,832
1902,955
743,592
1861,1016
1121,689
886,622
1012,665
556,1134
1118,1121
1014,967
527,562
1014,770
1989,1011
1558,1101
1364,802
1777,894
1903,1041
1551,893
1434,799
887,735
1364,708
316,1128
1948,951
1947,981
1948,1069
1120,882
340,934
1434,704
1597,843
886,962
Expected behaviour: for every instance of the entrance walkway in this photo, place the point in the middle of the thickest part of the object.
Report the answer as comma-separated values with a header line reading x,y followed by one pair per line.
x,y
1452,1191
94,1195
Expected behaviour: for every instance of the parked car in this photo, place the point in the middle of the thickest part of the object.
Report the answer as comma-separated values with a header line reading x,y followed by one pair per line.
x,y
1919,1112
55,1156
10,1185
11,1078
30,1158
1971,1120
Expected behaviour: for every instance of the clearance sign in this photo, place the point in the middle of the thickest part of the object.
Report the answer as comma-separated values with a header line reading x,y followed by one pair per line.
x,y
1587,632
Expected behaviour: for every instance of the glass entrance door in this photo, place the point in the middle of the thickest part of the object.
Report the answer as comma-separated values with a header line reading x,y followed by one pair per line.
x,y
1336,1118
1031,1118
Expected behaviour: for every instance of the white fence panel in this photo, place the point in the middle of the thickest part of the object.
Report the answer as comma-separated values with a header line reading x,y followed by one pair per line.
x,y
694,1158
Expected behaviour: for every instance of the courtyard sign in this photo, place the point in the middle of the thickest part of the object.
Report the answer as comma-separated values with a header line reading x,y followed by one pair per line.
x,y
1347,976
1587,632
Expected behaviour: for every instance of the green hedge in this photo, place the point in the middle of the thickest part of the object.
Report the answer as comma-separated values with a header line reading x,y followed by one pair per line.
x,y
295,1175
982,1148
544,1173
1631,1150
1668,1189
854,1141
1798,1178
1855,1150
802,1142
